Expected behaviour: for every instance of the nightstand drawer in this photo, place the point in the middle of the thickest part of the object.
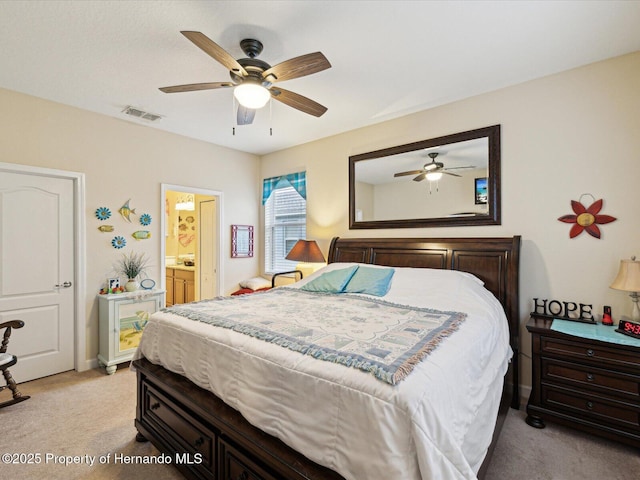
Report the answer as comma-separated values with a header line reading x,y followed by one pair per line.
x,y
591,406
590,352
591,378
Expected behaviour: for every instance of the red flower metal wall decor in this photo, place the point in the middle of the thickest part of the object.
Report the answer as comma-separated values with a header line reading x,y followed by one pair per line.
x,y
586,219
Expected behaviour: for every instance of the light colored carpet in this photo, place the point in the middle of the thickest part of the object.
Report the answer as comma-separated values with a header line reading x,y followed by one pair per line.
x,y
558,453
77,415
90,415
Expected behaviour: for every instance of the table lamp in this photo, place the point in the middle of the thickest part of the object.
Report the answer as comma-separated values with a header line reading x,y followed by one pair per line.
x,y
306,252
628,280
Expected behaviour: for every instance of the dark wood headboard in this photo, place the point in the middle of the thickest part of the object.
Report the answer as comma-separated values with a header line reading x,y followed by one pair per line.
x,y
496,261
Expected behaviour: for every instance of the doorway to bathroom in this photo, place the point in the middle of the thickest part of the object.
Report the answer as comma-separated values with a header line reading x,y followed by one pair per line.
x,y
191,243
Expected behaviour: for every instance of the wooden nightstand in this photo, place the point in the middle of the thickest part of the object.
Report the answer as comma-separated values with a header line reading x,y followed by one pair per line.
x,y
588,384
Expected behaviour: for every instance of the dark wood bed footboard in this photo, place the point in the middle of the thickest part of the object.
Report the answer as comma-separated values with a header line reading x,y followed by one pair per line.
x,y
206,439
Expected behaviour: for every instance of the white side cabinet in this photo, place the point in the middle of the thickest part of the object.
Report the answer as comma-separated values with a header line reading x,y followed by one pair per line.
x,y
122,318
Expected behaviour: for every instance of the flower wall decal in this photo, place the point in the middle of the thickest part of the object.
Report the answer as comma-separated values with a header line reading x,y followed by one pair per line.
x,y
145,219
103,213
118,242
586,219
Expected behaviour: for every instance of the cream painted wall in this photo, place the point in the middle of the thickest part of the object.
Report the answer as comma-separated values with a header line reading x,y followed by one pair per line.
x,y
562,136
123,160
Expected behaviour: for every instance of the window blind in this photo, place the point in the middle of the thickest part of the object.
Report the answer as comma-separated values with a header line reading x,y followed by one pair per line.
x,y
285,224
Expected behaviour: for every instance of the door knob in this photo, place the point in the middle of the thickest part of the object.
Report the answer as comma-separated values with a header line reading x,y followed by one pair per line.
x,y
64,285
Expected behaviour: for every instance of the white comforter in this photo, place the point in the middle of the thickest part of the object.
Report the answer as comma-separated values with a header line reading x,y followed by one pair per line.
x,y
435,424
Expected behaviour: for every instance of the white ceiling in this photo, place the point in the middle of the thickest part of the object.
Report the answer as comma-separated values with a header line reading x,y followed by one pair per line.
x,y
389,58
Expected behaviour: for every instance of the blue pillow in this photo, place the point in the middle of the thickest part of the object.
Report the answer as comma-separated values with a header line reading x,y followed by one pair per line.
x,y
373,281
331,282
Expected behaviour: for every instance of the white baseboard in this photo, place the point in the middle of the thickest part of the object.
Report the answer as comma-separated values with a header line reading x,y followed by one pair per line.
x,y
88,365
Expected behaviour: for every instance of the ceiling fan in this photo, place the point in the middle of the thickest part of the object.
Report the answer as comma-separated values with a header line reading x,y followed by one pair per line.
x,y
431,171
253,79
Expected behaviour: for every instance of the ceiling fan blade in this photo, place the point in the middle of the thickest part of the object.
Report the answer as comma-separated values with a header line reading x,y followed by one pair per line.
x,y
298,102
412,172
192,87
297,67
420,177
215,51
452,174
458,168
245,115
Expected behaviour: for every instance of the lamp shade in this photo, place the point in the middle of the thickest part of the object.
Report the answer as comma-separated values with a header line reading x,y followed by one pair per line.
x,y
434,176
306,251
628,278
251,95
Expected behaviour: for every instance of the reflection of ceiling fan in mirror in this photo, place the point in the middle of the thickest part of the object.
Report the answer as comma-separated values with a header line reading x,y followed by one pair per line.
x,y
431,171
253,79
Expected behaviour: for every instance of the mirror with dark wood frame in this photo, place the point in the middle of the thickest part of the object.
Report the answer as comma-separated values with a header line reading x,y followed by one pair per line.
x,y
452,180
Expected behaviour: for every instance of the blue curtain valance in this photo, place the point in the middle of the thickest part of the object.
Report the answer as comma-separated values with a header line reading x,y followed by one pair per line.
x,y
296,180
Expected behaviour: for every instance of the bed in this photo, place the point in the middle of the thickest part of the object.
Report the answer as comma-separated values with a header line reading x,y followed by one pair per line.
x,y
287,415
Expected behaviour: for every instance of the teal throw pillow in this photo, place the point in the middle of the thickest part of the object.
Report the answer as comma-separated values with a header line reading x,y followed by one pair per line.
x,y
331,282
373,281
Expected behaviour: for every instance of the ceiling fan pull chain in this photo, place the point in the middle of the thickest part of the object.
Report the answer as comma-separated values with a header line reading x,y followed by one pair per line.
x,y
233,109
270,117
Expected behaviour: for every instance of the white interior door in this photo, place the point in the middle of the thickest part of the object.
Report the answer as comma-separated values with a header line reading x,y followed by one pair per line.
x,y
208,244
37,271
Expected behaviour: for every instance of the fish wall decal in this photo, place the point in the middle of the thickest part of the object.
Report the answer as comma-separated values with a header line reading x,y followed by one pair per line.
x,y
141,234
106,228
126,211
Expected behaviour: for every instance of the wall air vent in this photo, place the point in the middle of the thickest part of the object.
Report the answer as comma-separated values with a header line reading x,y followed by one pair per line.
x,y
136,112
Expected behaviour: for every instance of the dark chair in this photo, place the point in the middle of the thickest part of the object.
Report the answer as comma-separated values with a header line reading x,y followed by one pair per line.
x,y
7,360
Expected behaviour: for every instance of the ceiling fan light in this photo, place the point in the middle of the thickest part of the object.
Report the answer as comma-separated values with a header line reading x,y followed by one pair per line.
x,y
251,95
434,176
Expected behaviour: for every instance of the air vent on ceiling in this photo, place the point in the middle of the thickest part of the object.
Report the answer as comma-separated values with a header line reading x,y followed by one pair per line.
x,y
136,112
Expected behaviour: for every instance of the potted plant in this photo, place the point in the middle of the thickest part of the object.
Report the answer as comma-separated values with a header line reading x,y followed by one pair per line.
x,y
132,265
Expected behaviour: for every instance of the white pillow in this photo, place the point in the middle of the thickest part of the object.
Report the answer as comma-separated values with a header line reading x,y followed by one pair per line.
x,y
255,283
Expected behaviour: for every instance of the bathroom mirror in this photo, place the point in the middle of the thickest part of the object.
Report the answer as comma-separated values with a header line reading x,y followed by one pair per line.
x,y
446,181
241,241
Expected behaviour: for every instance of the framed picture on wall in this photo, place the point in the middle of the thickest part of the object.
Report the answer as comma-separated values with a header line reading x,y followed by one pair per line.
x,y
480,191
241,241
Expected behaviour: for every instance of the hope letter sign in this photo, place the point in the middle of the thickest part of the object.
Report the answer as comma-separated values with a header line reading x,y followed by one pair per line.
x,y
578,312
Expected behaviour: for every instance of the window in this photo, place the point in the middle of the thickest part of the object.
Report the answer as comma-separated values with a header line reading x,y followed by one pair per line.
x,y
285,222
